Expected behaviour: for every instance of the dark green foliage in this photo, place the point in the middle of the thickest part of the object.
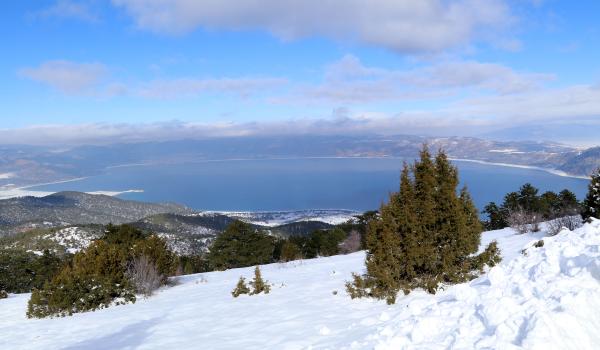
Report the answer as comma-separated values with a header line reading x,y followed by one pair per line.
x,y
193,264
258,284
289,251
319,243
241,245
528,204
155,248
21,271
240,288
497,219
426,234
98,276
591,204
123,235
93,281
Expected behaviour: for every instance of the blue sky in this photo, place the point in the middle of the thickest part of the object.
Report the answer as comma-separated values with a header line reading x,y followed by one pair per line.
x,y
129,68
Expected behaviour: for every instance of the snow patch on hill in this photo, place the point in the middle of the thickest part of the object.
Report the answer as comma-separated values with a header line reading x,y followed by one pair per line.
x,y
276,218
545,298
73,239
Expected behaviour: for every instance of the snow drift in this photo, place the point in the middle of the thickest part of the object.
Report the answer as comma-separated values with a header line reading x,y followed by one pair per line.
x,y
538,298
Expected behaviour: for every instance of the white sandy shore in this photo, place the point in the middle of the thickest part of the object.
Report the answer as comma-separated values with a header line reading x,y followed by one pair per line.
x,y
548,170
24,191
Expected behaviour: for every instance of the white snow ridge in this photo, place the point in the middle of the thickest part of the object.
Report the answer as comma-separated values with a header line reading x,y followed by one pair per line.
x,y
544,298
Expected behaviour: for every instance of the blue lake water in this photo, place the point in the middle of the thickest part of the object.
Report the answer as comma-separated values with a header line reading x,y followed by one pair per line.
x,y
295,184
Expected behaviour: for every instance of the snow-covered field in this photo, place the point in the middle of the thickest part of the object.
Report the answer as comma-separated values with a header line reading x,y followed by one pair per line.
x,y
276,218
547,298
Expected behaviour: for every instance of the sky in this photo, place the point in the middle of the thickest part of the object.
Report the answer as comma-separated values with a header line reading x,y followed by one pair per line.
x,y
72,71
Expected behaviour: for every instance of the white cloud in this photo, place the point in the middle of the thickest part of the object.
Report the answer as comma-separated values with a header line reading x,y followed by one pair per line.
x,y
74,78
406,26
188,87
68,77
349,81
69,9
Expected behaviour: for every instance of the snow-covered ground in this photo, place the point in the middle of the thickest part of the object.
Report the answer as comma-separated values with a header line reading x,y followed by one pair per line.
x,y
547,298
276,218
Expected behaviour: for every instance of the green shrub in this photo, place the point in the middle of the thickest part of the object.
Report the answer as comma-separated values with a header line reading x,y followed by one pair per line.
x,y
22,271
290,252
258,284
157,251
425,235
107,272
94,280
241,245
240,288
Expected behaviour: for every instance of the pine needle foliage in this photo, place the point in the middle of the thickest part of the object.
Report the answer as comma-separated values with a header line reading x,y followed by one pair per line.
x,y
240,288
258,284
591,204
425,235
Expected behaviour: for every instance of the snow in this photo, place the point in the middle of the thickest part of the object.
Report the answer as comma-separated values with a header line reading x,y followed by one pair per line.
x,y
546,298
276,218
72,238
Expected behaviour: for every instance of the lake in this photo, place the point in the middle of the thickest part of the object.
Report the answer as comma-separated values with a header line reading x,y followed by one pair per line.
x,y
295,184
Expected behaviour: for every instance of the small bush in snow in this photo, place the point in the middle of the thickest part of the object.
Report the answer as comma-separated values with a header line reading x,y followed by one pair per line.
x,y
258,284
144,275
240,288
3,294
539,243
523,221
351,244
567,222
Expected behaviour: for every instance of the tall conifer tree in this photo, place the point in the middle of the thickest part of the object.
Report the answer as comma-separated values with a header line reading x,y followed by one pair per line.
x,y
591,204
425,235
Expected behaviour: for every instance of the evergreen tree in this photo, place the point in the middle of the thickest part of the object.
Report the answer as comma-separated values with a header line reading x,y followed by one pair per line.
x,y
496,217
240,288
258,284
472,239
241,245
591,205
425,184
289,251
568,202
425,235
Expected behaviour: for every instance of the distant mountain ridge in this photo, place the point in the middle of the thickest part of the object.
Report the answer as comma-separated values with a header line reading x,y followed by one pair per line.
x,y
75,208
28,165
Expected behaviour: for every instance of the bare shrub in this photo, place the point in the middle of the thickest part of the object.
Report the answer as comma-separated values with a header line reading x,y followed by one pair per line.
x,y
569,222
3,294
351,244
144,275
524,221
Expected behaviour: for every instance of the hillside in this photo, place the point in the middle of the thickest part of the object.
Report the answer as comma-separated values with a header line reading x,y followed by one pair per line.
x,y
585,162
74,208
542,298
69,221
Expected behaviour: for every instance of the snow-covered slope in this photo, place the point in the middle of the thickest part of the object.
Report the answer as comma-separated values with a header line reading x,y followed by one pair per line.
x,y
546,298
276,218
